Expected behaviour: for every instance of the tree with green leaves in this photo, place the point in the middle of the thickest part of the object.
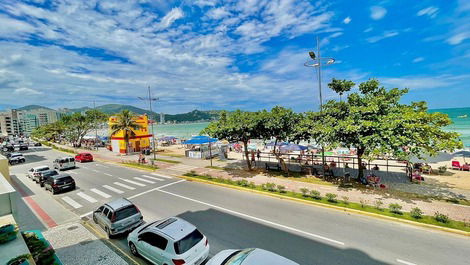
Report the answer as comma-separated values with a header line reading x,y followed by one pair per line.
x,y
126,122
279,124
341,86
237,126
78,125
374,122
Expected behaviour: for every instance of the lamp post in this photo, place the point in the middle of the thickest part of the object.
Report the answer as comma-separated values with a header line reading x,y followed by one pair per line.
x,y
317,62
150,99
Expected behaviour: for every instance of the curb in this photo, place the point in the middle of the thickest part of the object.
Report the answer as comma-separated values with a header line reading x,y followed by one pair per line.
x,y
339,208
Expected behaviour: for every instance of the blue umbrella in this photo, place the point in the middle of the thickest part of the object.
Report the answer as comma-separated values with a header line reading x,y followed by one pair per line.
x,y
201,141
293,147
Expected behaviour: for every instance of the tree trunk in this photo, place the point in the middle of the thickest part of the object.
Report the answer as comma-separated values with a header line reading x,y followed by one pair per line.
x,y
360,153
248,162
126,142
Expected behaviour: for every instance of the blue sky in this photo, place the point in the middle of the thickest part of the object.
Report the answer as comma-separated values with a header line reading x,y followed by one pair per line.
x,y
209,54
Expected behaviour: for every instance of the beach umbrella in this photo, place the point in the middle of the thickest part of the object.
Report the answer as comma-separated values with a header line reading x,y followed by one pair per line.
x,y
201,141
292,147
462,154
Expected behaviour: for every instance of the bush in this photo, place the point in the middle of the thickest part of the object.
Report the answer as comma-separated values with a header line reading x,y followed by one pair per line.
x,y
440,217
252,185
315,194
416,213
395,208
243,183
345,199
363,202
331,197
281,189
19,260
270,187
304,192
378,204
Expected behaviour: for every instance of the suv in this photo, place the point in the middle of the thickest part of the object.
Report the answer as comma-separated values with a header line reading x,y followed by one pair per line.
x,y
35,171
169,241
59,183
118,216
64,163
15,158
249,256
44,175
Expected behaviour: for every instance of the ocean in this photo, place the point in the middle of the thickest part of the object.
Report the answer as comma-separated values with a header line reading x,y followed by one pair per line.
x,y
461,124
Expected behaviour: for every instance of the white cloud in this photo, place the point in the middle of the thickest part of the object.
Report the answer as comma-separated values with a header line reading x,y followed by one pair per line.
x,y
458,38
175,14
428,11
377,12
347,20
218,13
384,35
369,29
418,59
24,91
424,82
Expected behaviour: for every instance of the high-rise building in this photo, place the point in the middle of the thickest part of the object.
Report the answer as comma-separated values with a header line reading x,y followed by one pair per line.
x,y
18,122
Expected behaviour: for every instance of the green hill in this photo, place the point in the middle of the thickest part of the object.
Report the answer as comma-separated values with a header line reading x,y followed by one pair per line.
x,y
32,107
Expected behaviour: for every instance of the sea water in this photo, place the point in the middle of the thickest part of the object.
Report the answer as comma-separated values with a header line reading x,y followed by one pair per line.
x,y
182,130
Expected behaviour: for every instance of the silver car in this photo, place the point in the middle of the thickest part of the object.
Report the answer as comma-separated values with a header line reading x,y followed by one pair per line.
x,y
171,241
249,256
35,171
117,217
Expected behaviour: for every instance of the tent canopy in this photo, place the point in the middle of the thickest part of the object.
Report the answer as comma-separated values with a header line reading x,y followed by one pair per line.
x,y
200,140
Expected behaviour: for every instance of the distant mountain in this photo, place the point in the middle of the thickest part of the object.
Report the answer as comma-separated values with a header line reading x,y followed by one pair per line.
x,y
33,107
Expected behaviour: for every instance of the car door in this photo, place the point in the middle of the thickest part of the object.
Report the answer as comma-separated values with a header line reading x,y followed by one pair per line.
x,y
155,246
101,216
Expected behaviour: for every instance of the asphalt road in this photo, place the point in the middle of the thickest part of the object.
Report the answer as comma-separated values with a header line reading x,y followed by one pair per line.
x,y
238,219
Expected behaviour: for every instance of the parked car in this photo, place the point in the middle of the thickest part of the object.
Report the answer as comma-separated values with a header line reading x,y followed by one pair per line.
x,y
36,171
117,217
44,175
37,144
8,148
169,241
249,256
59,183
23,147
15,158
63,163
84,157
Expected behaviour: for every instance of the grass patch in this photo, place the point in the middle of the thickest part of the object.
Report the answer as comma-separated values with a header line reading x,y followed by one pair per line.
x,y
215,167
302,178
137,165
305,195
167,161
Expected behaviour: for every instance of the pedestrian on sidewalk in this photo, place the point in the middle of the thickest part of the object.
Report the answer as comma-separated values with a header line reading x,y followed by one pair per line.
x,y
253,161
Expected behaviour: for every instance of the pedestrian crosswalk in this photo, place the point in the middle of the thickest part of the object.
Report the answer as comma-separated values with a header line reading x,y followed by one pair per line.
x,y
116,189
182,168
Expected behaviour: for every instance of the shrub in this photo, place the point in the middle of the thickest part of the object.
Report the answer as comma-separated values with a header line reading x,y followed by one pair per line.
x,y
331,197
378,204
281,189
363,202
19,259
252,185
416,213
304,192
466,223
345,199
271,187
243,183
315,194
395,208
440,217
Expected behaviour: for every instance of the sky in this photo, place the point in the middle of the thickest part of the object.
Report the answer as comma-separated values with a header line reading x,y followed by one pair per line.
x,y
246,54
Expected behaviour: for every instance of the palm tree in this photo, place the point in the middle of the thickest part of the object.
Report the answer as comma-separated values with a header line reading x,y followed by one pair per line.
x,y
126,123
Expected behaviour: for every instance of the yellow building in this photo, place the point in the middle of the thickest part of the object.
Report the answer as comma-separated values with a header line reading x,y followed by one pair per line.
x,y
139,141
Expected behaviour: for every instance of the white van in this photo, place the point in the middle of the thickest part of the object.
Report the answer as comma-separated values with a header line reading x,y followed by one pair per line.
x,y
63,163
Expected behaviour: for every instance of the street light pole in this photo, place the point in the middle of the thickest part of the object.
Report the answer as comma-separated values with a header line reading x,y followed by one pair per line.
x,y
150,99
96,127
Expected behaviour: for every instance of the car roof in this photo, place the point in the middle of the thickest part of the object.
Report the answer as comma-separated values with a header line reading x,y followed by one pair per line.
x,y
62,175
261,256
16,154
64,157
119,203
40,167
84,153
174,227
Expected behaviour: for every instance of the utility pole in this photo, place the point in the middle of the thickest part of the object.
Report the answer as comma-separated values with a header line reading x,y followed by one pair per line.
x,y
150,99
96,127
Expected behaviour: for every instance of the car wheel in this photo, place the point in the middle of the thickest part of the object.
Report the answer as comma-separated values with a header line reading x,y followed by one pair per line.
x,y
94,219
53,191
41,185
133,249
108,233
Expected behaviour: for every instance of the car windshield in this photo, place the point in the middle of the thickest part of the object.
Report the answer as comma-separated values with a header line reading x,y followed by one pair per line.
x,y
62,180
126,212
238,258
188,242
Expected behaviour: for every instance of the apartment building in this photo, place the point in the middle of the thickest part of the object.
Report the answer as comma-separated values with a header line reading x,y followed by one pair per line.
x,y
16,122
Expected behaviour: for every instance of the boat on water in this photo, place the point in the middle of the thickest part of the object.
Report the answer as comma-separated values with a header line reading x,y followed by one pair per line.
x,y
462,116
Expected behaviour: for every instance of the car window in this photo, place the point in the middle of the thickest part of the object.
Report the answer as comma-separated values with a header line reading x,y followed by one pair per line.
x,y
188,242
72,159
110,215
106,211
238,257
126,212
156,240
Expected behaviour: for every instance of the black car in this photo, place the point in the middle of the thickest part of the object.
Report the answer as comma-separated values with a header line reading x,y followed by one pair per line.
x,y
37,144
8,148
44,175
23,147
59,183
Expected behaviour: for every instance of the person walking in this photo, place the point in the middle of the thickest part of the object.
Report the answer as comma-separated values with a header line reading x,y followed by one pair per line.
x,y
253,161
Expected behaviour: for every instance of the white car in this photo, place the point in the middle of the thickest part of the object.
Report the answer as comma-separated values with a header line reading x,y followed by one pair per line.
x,y
35,171
249,256
171,241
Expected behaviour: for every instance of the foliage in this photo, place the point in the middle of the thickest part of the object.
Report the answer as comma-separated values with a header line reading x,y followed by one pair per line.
x,y
270,186
8,232
281,188
378,204
243,183
363,202
125,122
19,259
442,169
416,213
331,197
341,86
315,194
41,252
440,217
345,199
395,208
304,192
139,165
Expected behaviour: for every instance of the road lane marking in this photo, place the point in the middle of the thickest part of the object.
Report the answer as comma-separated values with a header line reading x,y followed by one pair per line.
x,y
94,170
86,197
108,174
124,185
154,178
162,176
145,180
71,202
157,188
405,262
113,189
256,218
133,182
102,194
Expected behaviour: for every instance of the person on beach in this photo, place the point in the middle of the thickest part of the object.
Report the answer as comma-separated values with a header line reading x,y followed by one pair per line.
x,y
376,167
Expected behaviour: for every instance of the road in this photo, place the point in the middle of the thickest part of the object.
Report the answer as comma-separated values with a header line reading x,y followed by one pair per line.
x,y
239,219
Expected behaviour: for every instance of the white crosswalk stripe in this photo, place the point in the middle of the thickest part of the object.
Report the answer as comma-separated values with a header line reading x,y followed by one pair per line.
x,y
113,189
124,185
71,202
102,194
86,197
133,182
145,180
162,176
154,178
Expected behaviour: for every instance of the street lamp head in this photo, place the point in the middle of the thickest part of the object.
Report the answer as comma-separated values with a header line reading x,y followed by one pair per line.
x,y
331,61
312,55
